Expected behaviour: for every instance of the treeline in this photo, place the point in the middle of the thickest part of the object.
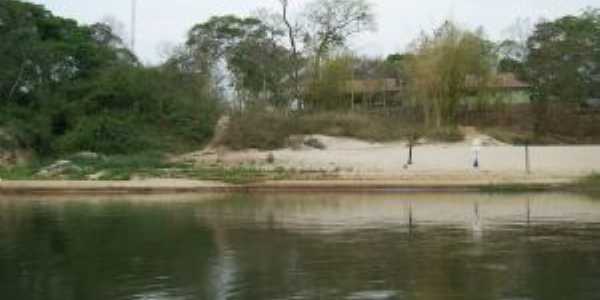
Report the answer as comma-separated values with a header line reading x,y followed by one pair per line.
x,y
272,58
305,64
66,87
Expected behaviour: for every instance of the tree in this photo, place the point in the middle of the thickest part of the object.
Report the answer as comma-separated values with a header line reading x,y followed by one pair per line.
x,y
40,52
396,66
259,64
564,61
248,47
117,28
513,52
515,46
209,42
511,55
330,23
295,59
331,91
66,87
446,67
510,65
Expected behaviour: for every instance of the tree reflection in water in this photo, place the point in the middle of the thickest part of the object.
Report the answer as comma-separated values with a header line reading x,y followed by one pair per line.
x,y
407,246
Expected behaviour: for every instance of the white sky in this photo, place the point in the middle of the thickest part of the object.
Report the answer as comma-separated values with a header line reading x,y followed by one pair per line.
x,y
162,22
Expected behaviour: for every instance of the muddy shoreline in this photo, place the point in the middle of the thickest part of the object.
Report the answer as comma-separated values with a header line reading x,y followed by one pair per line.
x,y
297,186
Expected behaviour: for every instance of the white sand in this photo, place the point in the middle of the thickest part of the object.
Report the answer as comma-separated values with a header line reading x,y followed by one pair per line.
x,y
358,159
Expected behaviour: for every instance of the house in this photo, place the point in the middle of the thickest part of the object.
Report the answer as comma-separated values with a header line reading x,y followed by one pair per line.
x,y
507,88
375,93
501,88
391,92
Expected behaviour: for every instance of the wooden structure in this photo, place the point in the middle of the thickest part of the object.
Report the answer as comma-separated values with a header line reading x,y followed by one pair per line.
x,y
391,93
375,93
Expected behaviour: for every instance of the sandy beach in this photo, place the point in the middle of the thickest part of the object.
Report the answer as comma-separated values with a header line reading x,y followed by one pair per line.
x,y
349,165
432,162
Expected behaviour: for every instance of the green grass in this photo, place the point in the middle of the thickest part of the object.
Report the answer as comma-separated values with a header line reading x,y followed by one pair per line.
x,y
153,165
235,175
514,188
17,173
144,165
120,167
589,183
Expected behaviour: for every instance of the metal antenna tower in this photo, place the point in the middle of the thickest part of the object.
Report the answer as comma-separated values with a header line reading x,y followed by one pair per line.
x,y
133,23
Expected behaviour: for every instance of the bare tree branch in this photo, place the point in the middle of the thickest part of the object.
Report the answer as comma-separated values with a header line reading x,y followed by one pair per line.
x,y
294,54
333,22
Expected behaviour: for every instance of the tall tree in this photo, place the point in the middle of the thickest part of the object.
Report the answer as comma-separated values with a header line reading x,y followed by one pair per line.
x,y
295,59
330,23
515,46
40,52
564,58
248,47
209,42
259,64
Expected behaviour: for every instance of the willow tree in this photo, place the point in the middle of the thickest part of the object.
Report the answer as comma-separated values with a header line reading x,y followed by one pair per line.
x,y
446,67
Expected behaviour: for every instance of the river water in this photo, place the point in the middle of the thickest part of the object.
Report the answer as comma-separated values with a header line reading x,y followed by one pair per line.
x,y
301,246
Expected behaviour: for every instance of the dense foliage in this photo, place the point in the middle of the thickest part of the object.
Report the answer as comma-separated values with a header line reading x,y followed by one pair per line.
x,y
66,87
564,58
247,47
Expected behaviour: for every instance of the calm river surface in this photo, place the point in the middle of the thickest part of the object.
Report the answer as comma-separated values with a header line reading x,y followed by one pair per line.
x,y
301,246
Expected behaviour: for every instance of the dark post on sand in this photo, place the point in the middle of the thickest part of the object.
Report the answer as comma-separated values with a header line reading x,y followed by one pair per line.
x,y
527,159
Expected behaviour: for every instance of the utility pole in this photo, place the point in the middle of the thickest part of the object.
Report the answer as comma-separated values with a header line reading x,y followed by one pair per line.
x,y
133,23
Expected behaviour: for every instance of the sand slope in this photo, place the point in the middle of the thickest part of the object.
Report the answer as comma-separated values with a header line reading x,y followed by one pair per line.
x,y
350,158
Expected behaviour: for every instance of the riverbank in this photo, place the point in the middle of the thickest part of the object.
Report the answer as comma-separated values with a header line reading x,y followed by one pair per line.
x,y
351,158
169,186
339,165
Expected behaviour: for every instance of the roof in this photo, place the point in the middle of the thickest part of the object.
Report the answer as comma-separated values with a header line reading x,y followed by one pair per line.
x,y
503,81
374,85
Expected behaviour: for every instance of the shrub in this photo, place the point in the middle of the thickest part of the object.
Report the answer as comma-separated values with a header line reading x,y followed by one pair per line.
x,y
121,110
272,130
258,130
28,129
7,141
106,133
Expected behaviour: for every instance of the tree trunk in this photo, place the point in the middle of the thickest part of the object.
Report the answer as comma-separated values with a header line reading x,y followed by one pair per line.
x,y
294,56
